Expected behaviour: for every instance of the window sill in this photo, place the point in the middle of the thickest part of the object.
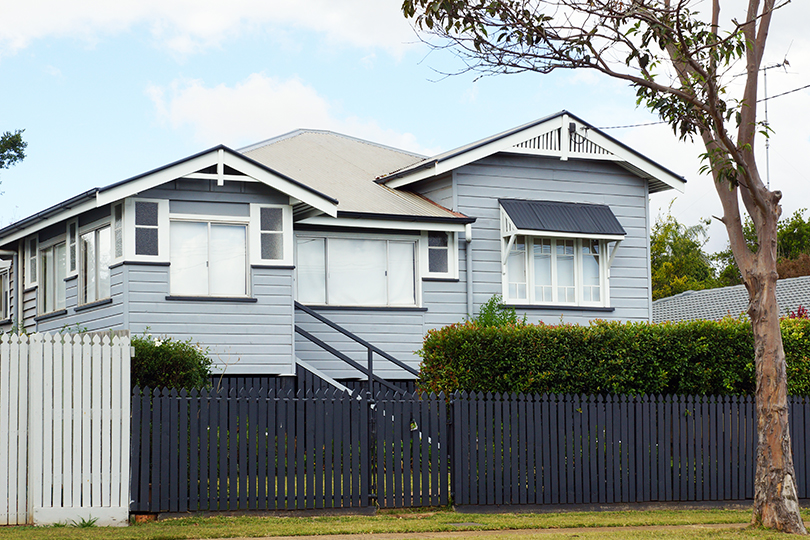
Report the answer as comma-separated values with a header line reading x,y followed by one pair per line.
x,y
445,279
4,322
212,299
30,288
140,263
317,307
549,307
51,315
272,266
92,305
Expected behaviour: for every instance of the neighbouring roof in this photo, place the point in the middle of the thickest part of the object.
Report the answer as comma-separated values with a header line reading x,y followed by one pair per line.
x,y
561,135
714,304
563,217
344,168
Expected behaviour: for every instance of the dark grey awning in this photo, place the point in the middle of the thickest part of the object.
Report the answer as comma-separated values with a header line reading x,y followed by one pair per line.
x,y
562,217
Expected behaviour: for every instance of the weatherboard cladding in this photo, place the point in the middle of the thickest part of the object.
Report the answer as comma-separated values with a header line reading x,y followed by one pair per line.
x,y
481,184
714,304
552,216
345,168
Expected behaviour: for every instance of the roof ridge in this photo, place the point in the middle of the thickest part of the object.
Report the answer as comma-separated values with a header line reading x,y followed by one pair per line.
x,y
301,131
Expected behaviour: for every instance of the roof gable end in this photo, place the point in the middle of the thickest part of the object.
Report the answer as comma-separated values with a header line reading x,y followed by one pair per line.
x,y
562,135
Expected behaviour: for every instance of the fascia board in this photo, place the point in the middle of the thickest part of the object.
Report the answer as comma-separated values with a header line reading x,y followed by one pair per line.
x,y
474,154
382,224
45,222
555,234
639,163
194,164
280,184
160,177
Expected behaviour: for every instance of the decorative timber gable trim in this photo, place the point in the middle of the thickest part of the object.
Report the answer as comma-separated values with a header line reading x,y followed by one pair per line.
x,y
563,136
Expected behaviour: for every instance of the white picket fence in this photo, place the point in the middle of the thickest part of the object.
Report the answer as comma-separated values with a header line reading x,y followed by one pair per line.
x,y
64,429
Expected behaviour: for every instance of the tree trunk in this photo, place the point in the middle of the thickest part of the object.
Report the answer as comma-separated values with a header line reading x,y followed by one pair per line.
x,y
776,500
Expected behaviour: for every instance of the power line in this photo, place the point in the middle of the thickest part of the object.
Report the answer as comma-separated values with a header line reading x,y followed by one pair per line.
x,y
663,122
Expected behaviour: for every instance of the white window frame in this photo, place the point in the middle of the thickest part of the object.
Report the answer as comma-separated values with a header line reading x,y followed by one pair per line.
x,y
417,253
452,256
255,236
93,227
5,290
31,253
222,220
72,243
507,243
162,228
43,279
117,228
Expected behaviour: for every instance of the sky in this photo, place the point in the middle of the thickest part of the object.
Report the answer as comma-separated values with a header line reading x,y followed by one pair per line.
x,y
108,90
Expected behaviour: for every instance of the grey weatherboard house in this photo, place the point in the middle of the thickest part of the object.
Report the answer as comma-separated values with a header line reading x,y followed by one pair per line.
x,y
221,246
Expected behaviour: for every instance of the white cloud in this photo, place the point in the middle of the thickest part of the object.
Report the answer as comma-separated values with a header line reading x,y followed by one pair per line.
x,y
187,26
258,108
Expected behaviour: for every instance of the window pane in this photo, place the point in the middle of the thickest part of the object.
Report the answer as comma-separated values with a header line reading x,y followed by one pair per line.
x,y
565,271
119,230
311,269
146,213
45,291
590,270
32,260
356,272
437,239
542,270
146,241
88,251
228,264
401,288
516,270
60,272
437,260
72,240
271,219
272,246
189,258
104,259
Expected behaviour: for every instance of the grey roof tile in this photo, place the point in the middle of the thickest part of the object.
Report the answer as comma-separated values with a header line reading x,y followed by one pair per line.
x,y
714,304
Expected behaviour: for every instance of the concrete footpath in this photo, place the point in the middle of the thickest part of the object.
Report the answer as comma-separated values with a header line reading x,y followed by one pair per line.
x,y
486,534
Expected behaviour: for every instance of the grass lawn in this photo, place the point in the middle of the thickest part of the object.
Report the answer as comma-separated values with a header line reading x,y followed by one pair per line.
x,y
416,521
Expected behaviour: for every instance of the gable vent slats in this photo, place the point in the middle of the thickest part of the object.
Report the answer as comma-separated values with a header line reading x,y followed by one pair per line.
x,y
581,145
546,141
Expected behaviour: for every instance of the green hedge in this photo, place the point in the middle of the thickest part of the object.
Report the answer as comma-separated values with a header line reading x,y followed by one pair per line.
x,y
700,357
167,363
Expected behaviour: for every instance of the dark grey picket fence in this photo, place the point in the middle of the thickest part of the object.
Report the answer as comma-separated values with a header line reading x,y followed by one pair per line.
x,y
268,450
265,450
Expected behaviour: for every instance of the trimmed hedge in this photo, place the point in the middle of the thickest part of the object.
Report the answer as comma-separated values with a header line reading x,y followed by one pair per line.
x,y
700,357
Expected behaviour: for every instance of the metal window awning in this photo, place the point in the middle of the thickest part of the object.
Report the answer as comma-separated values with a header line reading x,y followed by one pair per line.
x,y
559,220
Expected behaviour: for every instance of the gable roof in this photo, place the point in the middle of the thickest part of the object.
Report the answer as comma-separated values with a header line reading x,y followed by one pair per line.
x,y
345,168
714,304
564,217
218,163
562,135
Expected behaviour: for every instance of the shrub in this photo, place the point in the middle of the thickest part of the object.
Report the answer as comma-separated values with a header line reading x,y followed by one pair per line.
x,y
699,357
494,313
168,363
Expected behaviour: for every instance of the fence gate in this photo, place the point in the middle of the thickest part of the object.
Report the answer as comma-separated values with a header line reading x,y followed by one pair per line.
x,y
64,428
411,450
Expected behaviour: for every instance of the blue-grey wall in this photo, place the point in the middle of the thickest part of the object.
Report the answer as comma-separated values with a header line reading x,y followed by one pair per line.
x,y
481,184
